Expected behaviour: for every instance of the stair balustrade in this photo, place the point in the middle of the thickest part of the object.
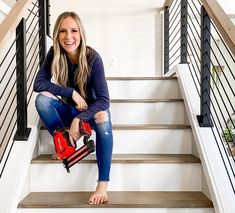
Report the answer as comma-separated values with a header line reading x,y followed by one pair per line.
x,y
19,63
199,33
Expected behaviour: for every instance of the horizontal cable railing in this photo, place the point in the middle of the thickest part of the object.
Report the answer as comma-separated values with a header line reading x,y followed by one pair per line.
x,y
194,39
19,64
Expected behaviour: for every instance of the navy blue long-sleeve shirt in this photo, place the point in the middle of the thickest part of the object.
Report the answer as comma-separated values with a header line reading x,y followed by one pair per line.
x,y
96,86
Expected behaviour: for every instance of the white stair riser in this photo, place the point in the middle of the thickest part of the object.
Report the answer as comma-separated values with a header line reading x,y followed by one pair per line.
x,y
124,177
147,113
118,210
164,141
144,89
161,141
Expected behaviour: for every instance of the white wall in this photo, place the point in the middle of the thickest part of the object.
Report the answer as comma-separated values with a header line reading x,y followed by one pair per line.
x,y
10,2
2,16
127,34
227,6
4,10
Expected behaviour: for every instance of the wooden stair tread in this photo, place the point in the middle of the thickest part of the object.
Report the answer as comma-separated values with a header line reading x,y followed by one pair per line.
x,y
153,100
144,126
149,126
133,199
139,78
128,158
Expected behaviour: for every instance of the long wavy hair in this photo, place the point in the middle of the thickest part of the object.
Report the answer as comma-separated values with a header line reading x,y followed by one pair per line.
x,y
59,63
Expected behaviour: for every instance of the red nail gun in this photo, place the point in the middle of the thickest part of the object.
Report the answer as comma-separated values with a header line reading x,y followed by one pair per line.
x,y
67,152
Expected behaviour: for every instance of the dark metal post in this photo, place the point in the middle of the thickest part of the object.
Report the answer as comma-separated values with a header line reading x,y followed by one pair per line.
x,y
184,40
22,131
42,30
204,118
48,17
166,40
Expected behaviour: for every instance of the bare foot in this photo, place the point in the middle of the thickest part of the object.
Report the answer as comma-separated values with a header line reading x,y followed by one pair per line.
x,y
55,157
100,195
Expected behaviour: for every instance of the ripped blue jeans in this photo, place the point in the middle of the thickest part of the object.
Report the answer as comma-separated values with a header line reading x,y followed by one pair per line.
x,y
55,114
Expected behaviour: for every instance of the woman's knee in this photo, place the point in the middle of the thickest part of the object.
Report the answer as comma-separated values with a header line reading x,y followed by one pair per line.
x,y
103,124
101,117
48,94
44,99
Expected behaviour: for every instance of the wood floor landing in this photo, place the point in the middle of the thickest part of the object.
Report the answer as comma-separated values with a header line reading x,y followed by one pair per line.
x,y
117,200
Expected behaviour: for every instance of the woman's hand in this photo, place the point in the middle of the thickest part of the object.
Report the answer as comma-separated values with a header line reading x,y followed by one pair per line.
x,y
79,100
74,133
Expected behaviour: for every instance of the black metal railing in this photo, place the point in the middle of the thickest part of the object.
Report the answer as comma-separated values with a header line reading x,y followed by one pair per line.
x,y
19,64
198,43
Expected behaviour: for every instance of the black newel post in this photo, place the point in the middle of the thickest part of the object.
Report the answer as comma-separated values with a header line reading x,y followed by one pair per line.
x,y
184,28
204,118
42,29
48,24
22,131
166,40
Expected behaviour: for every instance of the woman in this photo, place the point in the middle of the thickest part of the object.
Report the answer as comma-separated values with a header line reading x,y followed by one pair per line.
x,y
72,86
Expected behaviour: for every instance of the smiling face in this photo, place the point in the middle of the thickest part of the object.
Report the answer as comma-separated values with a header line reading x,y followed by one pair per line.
x,y
69,37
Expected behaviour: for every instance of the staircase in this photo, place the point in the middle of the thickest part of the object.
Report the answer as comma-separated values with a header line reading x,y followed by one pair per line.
x,y
153,168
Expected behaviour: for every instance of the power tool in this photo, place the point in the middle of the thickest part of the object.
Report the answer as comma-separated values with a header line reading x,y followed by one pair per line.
x,y
67,152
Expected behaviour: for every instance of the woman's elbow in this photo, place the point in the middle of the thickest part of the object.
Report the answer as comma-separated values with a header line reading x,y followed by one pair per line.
x,y
37,87
107,104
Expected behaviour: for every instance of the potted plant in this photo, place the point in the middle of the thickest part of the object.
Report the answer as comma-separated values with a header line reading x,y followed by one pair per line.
x,y
228,135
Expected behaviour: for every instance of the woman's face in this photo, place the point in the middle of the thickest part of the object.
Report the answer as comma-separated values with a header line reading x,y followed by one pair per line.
x,y
69,36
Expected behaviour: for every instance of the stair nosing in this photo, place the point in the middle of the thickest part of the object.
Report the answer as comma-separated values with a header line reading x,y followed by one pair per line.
x,y
144,126
149,126
152,100
128,159
139,78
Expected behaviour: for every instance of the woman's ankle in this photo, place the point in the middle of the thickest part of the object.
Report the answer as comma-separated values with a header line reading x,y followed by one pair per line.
x,y
100,195
102,185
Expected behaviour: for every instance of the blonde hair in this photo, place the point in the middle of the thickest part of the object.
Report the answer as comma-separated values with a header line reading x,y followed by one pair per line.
x,y
59,63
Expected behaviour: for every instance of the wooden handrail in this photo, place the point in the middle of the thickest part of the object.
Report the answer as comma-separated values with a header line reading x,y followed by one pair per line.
x,y
9,24
222,22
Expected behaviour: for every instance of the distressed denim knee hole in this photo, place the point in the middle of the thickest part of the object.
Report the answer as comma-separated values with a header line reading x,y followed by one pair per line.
x,y
101,117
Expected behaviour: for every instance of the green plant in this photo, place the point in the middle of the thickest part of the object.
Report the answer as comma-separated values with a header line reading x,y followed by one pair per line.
x,y
228,134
